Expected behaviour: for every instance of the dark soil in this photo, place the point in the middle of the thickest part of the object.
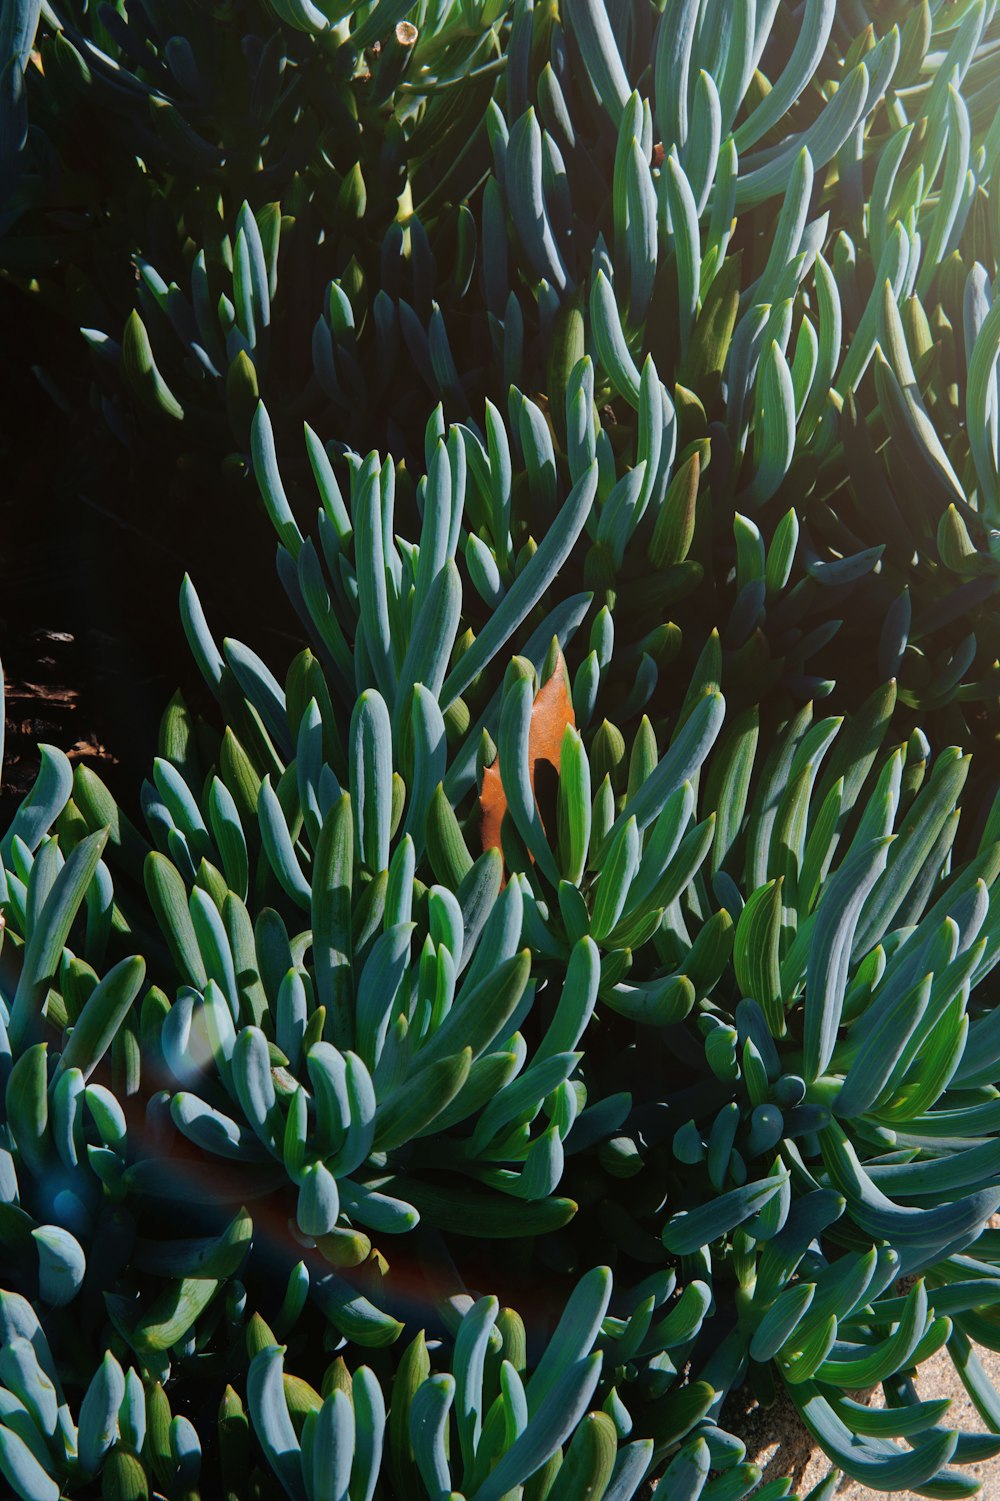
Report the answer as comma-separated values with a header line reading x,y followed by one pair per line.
x,y
72,678
41,708
93,548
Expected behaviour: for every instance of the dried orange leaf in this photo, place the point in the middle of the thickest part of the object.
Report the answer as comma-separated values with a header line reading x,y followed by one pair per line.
x,y
551,712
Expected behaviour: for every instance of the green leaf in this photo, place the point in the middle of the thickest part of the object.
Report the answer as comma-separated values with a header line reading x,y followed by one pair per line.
x,y
911,858
816,24
710,342
526,197
788,231
917,1233
141,372
22,1470
576,1002
619,864
671,1417
722,220
27,1109
484,1214
886,1467
472,1343
688,1230
61,1264
479,1015
174,1313
641,234
609,341
823,139
601,58
169,900
689,749
728,784
373,600
756,953
412,1108
550,1426
781,1320
272,1422
378,988
43,950
981,384
685,1318
265,466
892,1354
683,212
355,1316
209,1256
687,1472
527,589
102,1015
574,806
50,792
429,1414
675,524
371,780
589,1461
671,72
837,916
950,192
279,846
660,1003
774,429
520,1100
883,1044
908,422
318,1205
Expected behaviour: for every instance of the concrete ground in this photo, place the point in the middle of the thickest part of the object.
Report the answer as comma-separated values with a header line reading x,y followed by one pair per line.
x,y
778,1442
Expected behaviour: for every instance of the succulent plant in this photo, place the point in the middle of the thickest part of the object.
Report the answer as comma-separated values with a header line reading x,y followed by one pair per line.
x,y
514,283
531,941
